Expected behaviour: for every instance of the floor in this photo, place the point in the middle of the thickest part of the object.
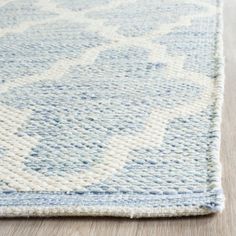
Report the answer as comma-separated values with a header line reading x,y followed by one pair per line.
x,y
217,225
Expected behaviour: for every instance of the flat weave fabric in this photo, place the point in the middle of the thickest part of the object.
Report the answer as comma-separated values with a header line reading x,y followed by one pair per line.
x,y
110,107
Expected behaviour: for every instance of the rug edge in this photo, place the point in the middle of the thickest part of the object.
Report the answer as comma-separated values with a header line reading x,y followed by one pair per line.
x,y
144,212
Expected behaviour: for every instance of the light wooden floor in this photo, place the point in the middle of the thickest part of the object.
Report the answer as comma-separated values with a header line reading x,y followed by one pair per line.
x,y
223,224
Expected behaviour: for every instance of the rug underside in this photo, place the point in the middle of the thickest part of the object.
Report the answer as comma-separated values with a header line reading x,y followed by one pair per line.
x,y
110,107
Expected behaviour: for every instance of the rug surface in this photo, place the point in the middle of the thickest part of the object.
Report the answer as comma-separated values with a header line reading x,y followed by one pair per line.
x,y
110,107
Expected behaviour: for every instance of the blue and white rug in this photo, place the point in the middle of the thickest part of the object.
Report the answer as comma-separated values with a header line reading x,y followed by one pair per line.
x,y
110,107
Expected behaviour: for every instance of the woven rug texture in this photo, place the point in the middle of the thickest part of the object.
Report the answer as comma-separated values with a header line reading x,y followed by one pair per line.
x,y
110,107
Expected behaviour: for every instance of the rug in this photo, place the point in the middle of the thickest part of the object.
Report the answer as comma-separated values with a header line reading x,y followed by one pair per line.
x,y
110,107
